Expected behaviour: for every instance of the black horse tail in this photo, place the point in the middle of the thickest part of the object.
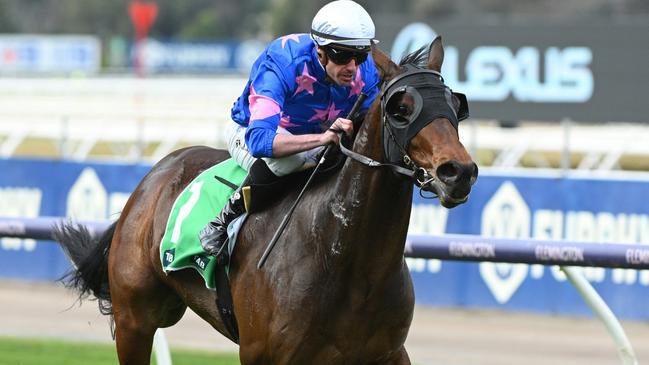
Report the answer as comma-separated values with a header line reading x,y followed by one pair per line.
x,y
89,256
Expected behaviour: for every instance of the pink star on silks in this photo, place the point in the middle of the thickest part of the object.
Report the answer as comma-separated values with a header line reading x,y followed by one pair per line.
x,y
304,82
357,84
286,38
330,113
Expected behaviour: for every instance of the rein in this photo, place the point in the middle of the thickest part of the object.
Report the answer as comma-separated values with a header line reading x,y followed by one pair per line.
x,y
373,163
413,172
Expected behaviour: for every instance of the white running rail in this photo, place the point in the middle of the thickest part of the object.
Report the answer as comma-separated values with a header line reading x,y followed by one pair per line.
x,y
144,119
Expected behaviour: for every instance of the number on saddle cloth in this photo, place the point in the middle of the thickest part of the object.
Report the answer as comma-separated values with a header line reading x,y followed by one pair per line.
x,y
194,207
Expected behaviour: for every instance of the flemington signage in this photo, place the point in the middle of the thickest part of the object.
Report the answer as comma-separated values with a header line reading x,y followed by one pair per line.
x,y
589,72
537,207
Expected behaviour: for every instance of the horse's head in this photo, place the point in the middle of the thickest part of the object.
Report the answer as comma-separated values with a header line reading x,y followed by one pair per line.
x,y
420,118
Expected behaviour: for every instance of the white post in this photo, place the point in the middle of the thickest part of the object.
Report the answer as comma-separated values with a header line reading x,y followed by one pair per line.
x,y
161,348
599,307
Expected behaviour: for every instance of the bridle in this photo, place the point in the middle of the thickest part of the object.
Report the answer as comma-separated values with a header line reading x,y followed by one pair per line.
x,y
432,100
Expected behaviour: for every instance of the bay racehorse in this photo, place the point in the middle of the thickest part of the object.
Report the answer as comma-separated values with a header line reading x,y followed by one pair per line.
x,y
336,288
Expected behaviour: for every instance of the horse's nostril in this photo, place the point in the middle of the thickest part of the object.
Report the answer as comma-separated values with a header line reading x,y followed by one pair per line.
x,y
453,172
449,172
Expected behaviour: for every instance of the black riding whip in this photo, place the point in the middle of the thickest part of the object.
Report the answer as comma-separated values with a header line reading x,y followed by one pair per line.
x,y
278,233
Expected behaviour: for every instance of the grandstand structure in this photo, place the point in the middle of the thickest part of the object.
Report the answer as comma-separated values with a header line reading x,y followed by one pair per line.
x,y
142,120
121,118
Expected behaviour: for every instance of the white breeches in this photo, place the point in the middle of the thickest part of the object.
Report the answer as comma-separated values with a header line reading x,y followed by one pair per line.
x,y
235,135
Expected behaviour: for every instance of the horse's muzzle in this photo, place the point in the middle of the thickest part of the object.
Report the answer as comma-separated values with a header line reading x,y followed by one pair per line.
x,y
453,182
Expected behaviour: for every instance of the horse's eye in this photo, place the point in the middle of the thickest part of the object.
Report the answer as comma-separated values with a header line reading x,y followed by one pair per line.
x,y
401,106
401,112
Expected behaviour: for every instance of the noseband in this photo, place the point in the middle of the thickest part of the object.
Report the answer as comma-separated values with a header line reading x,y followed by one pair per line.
x,y
432,100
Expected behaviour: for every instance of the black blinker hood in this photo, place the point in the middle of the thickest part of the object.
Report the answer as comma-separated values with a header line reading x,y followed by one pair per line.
x,y
432,100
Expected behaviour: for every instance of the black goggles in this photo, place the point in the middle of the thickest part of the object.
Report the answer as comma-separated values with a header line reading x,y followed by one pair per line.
x,y
341,56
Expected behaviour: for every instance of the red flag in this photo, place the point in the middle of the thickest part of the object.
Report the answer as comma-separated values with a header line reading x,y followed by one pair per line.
x,y
143,15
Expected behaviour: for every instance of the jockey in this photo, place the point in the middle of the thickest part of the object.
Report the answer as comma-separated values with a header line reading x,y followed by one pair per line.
x,y
297,87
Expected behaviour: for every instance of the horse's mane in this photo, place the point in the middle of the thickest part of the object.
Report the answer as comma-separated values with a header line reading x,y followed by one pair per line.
x,y
418,58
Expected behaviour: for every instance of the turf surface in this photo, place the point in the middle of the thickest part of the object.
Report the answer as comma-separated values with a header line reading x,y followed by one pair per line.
x,y
14,351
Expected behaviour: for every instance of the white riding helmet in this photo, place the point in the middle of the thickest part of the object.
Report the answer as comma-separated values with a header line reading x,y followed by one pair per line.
x,y
343,22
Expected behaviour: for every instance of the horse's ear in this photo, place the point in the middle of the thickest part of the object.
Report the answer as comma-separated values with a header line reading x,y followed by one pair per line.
x,y
387,69
436,55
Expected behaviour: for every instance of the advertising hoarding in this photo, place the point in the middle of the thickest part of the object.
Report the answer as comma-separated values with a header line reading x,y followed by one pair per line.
x,y
593,71
49,54
523,206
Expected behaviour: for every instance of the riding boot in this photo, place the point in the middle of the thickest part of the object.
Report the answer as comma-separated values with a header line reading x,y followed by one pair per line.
x,y
214,235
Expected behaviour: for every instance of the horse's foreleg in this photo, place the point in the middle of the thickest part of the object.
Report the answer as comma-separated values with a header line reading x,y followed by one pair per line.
x,y
134,340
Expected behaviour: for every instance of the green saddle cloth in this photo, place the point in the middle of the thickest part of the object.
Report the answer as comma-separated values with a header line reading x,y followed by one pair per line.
x,y
196,206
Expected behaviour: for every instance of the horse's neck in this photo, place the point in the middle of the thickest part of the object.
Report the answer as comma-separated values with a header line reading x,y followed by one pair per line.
x,y
372,204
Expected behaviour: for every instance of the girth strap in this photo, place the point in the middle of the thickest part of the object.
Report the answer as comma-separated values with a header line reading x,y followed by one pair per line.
x,y
224,302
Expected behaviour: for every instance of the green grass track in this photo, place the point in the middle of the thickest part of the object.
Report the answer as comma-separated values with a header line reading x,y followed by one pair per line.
x,y
15,351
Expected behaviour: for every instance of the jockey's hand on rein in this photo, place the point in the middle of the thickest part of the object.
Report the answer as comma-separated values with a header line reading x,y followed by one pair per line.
x,y
339,126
